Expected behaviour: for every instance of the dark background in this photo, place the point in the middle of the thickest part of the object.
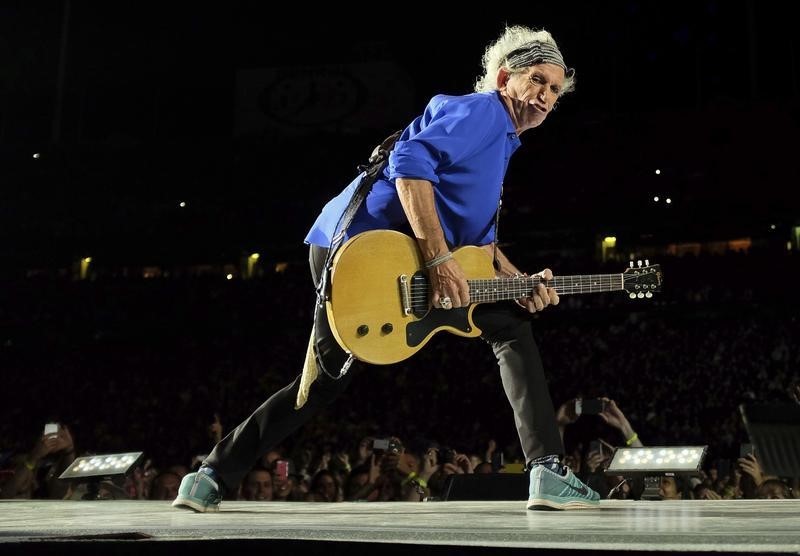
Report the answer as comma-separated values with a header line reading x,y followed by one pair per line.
x,y
255,119
149,114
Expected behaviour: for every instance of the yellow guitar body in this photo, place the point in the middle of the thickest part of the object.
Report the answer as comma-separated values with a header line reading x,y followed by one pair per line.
x,y
370,300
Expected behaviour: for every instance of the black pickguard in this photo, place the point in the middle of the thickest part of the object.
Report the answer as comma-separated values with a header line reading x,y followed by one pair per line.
x,y
455,318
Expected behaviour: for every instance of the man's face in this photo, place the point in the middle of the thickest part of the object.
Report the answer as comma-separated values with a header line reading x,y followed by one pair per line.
x,y
166,488
532,93
669,488
258,486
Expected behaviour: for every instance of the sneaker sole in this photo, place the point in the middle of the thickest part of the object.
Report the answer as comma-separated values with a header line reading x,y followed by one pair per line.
x,y
549,505
192,505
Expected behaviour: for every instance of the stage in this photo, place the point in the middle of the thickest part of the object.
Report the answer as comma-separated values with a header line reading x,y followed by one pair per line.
x,y
144,527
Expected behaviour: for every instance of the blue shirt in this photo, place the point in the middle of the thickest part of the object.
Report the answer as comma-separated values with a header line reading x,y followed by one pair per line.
x,y
462,144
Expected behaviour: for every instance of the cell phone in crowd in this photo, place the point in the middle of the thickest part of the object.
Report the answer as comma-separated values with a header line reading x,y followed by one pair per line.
x,y
745,450
380,445
51,429
282,469
589,407
596,446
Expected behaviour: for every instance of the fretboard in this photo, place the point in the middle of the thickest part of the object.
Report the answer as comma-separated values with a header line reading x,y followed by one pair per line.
x,y
499,289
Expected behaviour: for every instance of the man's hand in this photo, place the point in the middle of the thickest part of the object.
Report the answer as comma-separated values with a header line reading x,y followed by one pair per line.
x,y
448,281
63,443
612,415
541,296
749,464
566,414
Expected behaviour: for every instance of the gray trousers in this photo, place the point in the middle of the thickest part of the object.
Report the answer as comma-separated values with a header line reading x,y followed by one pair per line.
x,y
505,327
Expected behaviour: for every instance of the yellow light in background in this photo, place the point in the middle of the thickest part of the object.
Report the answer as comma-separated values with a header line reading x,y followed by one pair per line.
x,y
252,261
608,245
229,277
84,270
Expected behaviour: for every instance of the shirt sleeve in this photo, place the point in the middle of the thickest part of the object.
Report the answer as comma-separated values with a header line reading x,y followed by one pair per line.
x,y
450,131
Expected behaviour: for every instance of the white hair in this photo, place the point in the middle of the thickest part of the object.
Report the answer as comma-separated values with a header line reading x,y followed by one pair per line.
x,y
496,53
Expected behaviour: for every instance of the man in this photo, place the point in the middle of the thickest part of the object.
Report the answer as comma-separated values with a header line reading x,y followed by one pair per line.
x,y
442,185
257,485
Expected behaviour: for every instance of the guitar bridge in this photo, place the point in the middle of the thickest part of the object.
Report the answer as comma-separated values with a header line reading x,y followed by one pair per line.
x,y
405,293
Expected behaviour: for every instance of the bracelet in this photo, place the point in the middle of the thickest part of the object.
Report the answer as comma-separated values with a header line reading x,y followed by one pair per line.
x,y
409,478
632,439
420,482
30,466
436,261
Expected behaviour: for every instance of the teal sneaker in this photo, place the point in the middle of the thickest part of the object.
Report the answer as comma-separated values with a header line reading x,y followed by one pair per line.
x,y
551,491
199,492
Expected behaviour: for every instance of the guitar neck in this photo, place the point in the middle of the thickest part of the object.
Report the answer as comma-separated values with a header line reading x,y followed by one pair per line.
x,y
500,289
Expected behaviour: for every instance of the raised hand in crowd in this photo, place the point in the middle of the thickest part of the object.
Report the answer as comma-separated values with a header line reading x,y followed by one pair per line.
x,y
462,464
594,461
613,416
491,448
36,473
566,415
751,467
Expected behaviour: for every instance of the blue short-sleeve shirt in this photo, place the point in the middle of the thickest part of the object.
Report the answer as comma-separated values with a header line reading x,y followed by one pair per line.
x,y
461,144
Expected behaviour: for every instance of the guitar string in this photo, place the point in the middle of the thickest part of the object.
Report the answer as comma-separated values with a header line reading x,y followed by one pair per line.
x,y
487,289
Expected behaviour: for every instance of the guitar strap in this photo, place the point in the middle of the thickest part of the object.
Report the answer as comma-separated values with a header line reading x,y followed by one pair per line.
x,y
370,172
495,262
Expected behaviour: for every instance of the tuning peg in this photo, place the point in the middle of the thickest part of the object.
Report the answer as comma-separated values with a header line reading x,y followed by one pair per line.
x,y
631,263
647,262
648,295
639,262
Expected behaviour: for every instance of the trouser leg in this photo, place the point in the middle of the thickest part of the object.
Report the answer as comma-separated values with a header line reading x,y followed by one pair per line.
x,y
277,417
507,329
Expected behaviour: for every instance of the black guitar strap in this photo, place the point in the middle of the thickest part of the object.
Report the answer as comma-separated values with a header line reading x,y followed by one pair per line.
x,y
370,171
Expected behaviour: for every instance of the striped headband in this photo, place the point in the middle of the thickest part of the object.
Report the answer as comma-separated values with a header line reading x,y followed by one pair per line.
x,y
537,52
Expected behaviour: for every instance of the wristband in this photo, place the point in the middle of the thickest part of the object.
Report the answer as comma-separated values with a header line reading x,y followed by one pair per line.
x,y
632,439
436,261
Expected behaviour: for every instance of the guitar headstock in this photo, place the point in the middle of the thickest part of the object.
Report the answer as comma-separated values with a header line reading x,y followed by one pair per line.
x,y
642,280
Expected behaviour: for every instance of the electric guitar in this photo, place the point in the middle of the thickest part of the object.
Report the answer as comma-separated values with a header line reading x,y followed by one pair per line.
x,y
378,302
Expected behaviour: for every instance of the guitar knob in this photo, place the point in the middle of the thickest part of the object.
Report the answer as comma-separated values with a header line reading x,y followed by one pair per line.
x,y
362,330
640,295
632,295
387,328
648,295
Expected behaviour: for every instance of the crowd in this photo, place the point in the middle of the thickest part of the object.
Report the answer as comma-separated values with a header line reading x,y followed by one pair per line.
x,y
113,362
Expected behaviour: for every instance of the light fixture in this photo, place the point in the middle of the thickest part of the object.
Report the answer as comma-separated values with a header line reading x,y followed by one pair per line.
x,y
94,469
653,462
